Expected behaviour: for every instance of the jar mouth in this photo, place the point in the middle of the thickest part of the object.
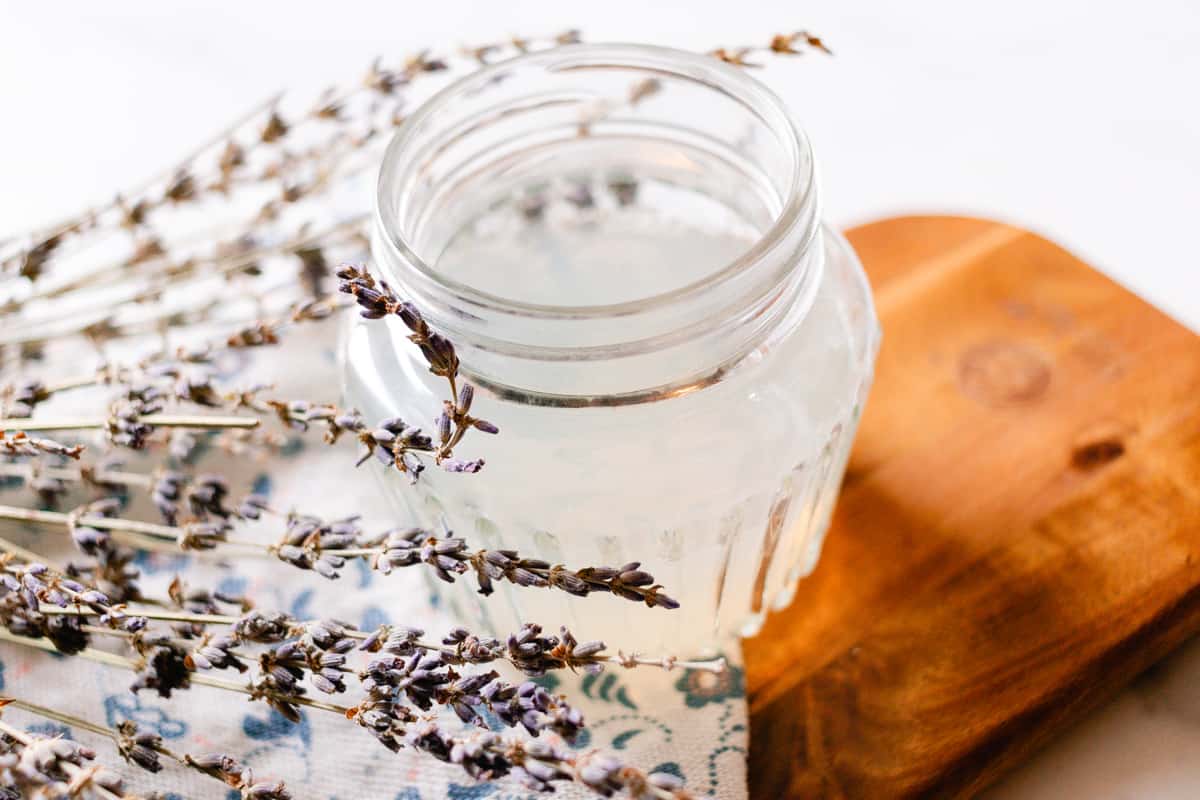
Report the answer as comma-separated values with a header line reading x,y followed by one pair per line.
x,y
797,209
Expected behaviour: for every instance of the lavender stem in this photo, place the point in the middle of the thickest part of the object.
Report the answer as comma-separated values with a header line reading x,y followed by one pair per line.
x,y
157,420
59,716
29,471
147,535
128,664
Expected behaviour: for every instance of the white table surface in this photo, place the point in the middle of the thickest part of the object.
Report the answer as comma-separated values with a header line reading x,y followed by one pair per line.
x,y
1080,120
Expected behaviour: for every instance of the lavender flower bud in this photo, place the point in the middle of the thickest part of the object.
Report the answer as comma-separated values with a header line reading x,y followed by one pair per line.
x,y
411,317
465,395
485,426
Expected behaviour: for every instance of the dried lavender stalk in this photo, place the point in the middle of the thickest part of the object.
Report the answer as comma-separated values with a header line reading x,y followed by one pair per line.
x,y
311,543
105,475
376,300
155,420
130,423
193,536
459,645
792,44
20,443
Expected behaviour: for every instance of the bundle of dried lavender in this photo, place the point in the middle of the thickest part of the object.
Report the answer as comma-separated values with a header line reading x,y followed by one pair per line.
x,y
405,676
272,169
264,154
227,160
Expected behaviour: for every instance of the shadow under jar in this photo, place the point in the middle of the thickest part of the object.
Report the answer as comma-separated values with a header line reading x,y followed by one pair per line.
x,y
623,244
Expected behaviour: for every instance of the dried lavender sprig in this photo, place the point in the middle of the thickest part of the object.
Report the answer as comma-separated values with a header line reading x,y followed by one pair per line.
x,y
20,443
25,588
143,749
131,421
791,44
319,653
155,258
139,305
458,644
52,767
392,441
311,543
179,186
192,536
155,420
451,556
203,494
483,755
51,483
106,327
265,331
121,662
136,413
102,474
527,650
19,400
171,491
377,300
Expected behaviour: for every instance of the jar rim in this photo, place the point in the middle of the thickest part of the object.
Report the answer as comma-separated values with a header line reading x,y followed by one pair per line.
x,y
799,201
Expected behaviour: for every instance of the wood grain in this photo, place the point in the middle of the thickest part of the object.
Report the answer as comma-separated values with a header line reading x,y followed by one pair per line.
x,y
1018,533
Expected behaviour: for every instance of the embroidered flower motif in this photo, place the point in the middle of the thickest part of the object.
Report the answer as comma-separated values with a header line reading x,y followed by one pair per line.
x,y
701,687
121,707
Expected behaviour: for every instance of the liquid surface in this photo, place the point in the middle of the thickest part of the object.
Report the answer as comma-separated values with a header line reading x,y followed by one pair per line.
x,y
583,243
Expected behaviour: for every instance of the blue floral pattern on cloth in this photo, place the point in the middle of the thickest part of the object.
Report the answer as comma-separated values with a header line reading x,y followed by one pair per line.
x,y
121,707
700,688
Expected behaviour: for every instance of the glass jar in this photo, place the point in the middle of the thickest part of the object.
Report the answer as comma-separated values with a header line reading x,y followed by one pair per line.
x,y
623,243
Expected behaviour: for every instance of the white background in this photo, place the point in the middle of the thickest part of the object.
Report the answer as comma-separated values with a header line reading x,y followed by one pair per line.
x,y
1078,120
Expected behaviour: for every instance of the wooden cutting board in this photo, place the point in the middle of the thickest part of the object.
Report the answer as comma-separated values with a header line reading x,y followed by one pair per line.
x,y
1019,531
